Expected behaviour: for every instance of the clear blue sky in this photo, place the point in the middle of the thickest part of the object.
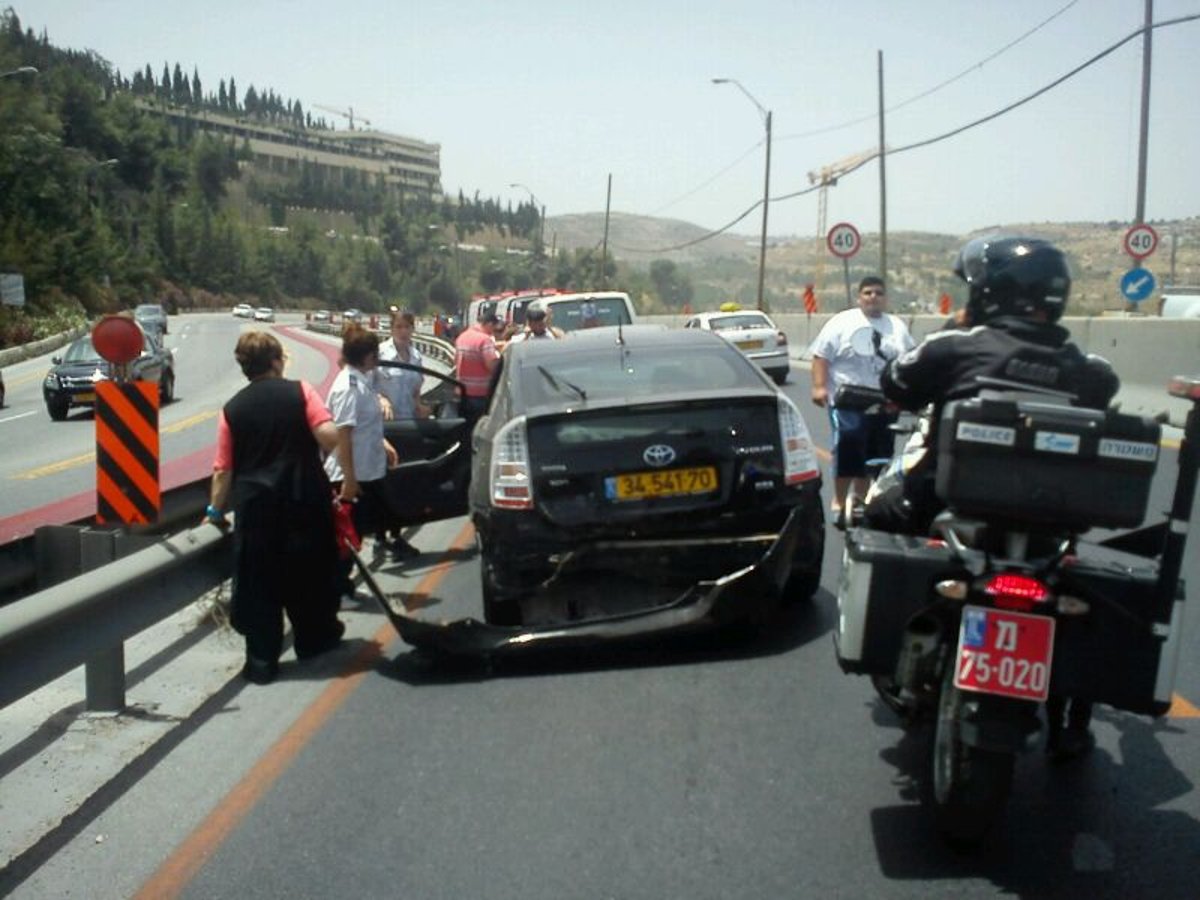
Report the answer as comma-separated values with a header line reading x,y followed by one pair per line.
x,y
557,94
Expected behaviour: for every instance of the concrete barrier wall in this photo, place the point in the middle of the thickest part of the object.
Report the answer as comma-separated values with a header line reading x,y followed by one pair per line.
x,y
11,355
1146,353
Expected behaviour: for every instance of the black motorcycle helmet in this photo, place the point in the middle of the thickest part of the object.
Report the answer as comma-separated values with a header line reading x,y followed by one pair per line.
x,y
1013,276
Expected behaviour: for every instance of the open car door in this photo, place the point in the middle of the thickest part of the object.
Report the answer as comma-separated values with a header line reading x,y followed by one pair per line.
x,y
435,456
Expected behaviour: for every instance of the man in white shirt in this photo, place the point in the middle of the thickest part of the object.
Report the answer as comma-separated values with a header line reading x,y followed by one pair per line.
x,y
362,457
853,348
537,327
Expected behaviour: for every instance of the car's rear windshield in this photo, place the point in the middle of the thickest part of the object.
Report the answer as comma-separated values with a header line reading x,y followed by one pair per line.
x,y
149,309
568,314
633,375
745,320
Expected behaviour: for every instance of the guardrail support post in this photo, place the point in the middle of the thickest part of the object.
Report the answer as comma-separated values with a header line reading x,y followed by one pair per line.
x,y
104,673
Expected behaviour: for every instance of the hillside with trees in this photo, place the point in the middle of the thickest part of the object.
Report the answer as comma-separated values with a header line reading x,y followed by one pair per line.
x,y
105,206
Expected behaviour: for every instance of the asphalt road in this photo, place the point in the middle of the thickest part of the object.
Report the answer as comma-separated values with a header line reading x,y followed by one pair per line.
x,y
723,766
42,462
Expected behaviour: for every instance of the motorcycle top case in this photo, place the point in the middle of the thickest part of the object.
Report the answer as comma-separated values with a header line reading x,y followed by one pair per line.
x,y
1045,464
886,579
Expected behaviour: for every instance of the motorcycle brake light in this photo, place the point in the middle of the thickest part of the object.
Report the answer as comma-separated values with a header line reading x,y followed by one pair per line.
x,y
1011,590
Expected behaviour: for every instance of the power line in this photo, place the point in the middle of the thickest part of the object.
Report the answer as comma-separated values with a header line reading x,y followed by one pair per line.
x,y
941,137
937,87
701,187
1095,59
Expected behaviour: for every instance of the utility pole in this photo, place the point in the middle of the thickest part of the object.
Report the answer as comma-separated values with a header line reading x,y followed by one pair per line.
x,y
883,180
1143,133
604,245
762,244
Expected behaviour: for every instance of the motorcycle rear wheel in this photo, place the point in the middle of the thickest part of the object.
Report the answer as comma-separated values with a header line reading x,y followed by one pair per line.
x,y
970,785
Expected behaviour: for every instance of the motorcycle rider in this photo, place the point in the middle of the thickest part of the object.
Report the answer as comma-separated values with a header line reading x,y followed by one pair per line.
x,y
1018,290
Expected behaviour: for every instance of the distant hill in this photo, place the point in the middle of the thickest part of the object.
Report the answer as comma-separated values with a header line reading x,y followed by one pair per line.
x,y
639,239
726,266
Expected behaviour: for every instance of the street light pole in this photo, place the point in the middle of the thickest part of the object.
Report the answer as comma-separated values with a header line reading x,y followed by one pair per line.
x,y
762,243
536,204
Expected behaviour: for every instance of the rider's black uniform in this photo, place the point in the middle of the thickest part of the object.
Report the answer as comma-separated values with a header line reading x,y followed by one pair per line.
x,y
947,365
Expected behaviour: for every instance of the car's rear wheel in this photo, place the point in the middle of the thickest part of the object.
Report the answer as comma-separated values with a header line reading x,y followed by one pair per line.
x,y
166,388
780,376
58,409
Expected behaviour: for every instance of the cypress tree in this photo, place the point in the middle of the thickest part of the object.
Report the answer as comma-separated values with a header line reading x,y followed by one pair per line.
x,y
197,94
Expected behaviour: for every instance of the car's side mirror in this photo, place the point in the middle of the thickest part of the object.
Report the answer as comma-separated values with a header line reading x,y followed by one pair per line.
x,y
55,360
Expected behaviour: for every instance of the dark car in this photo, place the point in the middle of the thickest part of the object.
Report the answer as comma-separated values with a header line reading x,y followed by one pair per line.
x,y
1,389
72,381
649,479
152,317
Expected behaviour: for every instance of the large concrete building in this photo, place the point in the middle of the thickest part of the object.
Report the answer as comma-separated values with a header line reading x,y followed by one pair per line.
x,y
403,166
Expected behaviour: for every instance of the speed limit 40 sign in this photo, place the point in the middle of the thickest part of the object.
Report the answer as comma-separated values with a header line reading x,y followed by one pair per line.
x,y
1140,241
843,240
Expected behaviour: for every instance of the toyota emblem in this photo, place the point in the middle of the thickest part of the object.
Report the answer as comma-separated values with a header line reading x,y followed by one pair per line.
x,y
659,455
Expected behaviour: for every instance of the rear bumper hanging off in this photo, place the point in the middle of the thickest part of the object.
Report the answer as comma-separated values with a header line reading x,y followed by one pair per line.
x,y
748,593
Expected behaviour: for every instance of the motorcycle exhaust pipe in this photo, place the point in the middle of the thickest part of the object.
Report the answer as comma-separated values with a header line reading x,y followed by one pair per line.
x,y
917,663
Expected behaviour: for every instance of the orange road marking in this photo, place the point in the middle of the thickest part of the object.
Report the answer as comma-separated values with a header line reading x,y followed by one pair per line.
x,y
1181,709
181,866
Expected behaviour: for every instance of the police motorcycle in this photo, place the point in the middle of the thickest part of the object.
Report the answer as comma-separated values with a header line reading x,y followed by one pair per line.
x,y
1002,607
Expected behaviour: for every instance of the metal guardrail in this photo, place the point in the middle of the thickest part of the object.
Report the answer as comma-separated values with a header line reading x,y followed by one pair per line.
x,y
435,348
86,619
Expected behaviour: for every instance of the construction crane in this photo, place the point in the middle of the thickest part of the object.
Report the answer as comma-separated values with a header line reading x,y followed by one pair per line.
x,y
347,114
827,177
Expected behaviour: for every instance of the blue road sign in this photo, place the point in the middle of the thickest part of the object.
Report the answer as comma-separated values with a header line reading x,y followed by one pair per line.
x,y
1137,284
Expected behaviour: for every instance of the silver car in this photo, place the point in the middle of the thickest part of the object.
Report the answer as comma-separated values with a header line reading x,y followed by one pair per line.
x,y
752,332
152,317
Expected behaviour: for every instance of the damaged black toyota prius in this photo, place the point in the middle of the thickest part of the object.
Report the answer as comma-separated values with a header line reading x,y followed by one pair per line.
x,y
630,481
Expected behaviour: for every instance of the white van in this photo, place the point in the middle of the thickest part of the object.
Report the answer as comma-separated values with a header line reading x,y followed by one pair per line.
x,y
591,309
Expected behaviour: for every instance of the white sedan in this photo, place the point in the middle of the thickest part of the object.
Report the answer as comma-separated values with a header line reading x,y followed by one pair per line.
x,y
264,314
754,334
243,311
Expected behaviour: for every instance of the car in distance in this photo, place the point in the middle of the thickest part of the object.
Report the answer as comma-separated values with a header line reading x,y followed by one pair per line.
x,y
573,312
264,314
1,390
71,382
243,311
352,315
321,315
152,317
752,332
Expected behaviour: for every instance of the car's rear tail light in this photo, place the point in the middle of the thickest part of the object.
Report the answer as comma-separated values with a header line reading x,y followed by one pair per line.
x,y
512,487
781,339
1011,590
799,458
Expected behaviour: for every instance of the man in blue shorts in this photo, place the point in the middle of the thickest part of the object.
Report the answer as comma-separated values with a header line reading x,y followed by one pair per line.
x,y
853,348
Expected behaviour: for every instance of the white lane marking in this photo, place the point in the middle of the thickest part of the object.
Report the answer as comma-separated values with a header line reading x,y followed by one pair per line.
x,y
32,412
